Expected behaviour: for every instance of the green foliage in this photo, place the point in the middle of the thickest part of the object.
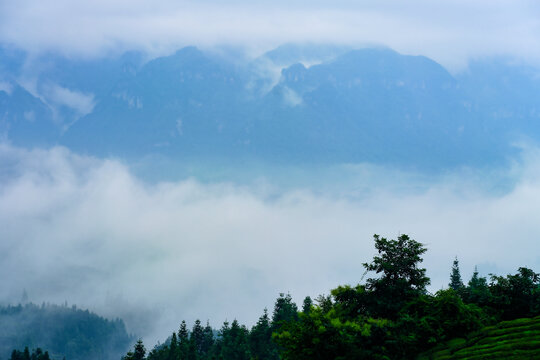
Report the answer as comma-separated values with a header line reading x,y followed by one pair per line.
x,y
477,290
516,339
401,279
260,340
516,295
232,343
455,277
138,353
428,320
307,304
284,310
36,354
391,316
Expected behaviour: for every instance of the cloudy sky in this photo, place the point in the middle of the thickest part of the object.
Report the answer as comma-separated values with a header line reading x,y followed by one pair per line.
x,y
89,231
451,32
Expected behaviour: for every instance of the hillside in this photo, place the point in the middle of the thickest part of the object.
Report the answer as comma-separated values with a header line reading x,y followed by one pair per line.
x,y
62,331
515,339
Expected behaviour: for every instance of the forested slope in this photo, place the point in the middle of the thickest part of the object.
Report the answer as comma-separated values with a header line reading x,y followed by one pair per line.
x,y
62,331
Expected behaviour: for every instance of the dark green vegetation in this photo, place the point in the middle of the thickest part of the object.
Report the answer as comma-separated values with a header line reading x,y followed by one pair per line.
x,y
391,316
36,354
513,339
62,331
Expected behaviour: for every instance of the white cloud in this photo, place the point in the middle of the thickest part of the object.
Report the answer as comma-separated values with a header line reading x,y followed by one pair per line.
x,y
448,31
6,87
291,97
87,231
82,103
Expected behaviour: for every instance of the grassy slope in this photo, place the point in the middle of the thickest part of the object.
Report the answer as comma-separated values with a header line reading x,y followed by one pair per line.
x,y
516,339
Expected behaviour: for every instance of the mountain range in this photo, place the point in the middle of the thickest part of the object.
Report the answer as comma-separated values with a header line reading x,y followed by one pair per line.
x,y
294,104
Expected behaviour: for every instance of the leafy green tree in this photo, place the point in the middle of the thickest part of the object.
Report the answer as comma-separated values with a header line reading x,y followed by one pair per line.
x,y
350,302
321,335
401,278
455,277
429,320
516,296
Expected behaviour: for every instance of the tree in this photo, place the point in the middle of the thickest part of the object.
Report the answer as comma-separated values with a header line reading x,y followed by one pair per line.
x,y
260,339
173,348
140,351
477,290
197,337
455,277
183,341
401,279
208,339
306,306
37,354
516,296
233,342
284,310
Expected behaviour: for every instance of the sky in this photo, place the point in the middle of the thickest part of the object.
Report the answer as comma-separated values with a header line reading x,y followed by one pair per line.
x,y
451,32
92,232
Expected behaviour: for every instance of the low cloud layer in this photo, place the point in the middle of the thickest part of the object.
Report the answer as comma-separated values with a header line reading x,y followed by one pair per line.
x,y
88,231
81,103
448,31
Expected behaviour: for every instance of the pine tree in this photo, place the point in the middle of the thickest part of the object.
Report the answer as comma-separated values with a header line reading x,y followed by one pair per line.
x,y
183,341
306,306
284,310
260,340
477,290
139,351
234,342
173,348
455,277
197,337
208,339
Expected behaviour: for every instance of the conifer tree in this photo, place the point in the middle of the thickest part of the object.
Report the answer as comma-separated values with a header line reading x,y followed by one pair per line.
x,y
306,306
197,337
173,348
477,290
455,277
139,351
183,341
284,310
208,339
260,339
